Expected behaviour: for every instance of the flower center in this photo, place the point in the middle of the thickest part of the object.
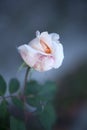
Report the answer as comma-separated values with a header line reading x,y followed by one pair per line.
x,y
45,47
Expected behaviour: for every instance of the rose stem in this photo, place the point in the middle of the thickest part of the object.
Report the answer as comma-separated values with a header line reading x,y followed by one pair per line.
x,y
24,97
26,76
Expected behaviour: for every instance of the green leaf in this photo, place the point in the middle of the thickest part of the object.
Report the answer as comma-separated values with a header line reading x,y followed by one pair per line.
x,y
47,117
2,86
16,124
17,102
13,85
31,91
39,95
32,87
3,109
47,91
33,101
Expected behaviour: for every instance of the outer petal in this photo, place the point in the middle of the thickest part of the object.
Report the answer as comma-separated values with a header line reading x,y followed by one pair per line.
x,y
28,54
36,59
44,62
58,54
54,36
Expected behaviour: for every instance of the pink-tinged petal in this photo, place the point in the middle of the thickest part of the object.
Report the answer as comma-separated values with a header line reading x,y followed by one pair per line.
x,y
44,63
28,54
46,48
42,42
35,43
46,38
58,54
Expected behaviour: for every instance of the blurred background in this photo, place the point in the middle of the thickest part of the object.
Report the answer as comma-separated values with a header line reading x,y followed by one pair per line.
x,y
19,20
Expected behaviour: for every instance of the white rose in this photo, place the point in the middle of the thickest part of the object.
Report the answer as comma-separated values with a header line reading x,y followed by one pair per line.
x,y
44,52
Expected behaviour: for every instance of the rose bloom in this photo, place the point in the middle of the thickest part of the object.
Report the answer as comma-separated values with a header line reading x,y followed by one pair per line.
x,y
43,53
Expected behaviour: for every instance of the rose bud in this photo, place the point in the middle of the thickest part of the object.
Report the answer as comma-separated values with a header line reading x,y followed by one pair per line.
x,y
43,53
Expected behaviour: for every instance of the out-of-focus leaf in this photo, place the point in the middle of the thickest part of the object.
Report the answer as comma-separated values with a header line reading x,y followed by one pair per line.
x,y
39,95
17,102
33,101
2,86
14,85
16,124
47,117
3,109
32,88
47,91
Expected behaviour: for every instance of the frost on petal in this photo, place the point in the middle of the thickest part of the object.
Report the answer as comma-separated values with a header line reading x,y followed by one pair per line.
x,y
28,54
58,55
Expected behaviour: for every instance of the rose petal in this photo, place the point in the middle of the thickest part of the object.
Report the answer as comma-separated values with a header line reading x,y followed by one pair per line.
x,y
28,54
34,58
44,63
43,38
58,54
37,33
47,39
54,36
35,43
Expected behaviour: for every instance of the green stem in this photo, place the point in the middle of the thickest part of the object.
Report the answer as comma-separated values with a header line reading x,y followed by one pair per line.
x,y
24,96
26,77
